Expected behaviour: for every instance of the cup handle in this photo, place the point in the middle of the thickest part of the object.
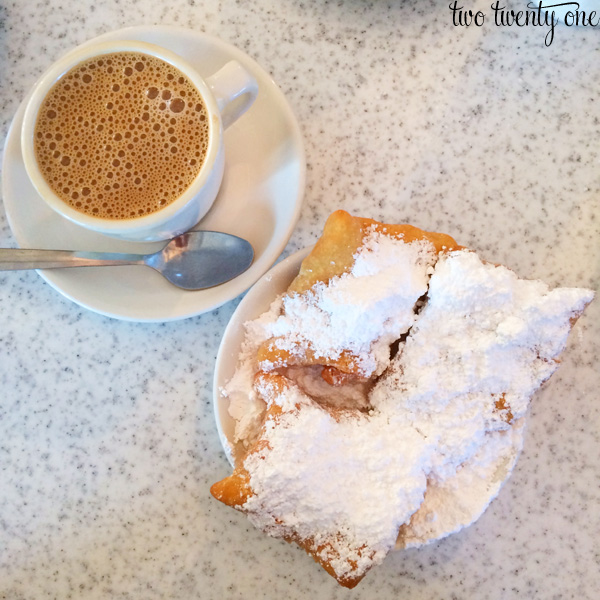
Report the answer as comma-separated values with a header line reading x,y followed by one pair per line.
x,y
233,83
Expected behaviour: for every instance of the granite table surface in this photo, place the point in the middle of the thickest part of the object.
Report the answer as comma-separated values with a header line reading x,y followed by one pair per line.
x,y
107,439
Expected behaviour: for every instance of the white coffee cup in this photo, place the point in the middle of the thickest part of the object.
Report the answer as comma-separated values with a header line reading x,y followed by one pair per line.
x,y
227,94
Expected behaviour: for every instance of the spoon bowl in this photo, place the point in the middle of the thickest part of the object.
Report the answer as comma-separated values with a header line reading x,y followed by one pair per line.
x,y
202,259
195,260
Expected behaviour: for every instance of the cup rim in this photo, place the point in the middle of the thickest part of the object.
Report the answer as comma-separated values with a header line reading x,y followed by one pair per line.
x,y
57,70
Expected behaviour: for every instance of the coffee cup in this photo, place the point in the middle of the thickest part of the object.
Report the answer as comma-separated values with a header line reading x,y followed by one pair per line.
x,y
125,138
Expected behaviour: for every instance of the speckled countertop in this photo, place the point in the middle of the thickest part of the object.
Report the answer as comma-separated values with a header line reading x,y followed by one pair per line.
x,y
107,439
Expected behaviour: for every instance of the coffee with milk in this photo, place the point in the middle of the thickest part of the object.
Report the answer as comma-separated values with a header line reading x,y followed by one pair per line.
x,y
121,135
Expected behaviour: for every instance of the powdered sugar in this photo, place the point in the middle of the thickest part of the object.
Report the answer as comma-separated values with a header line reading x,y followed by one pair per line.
x,y
387,278
446,418
352,500
244,405
484,335
460,499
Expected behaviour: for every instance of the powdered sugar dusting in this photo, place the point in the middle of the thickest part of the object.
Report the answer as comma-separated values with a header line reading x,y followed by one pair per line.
x,y
484,335
386,280
446,418
294,498
460,499
246,408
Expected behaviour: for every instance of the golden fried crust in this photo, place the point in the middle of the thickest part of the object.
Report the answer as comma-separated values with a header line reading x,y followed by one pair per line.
x,y
342,236
319,551
338,377
502,406
234,490
269,352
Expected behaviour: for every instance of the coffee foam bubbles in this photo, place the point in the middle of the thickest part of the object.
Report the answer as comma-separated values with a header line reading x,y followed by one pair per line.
x,y
121,135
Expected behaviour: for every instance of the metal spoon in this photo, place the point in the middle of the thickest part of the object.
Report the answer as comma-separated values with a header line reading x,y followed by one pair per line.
x,y
195,260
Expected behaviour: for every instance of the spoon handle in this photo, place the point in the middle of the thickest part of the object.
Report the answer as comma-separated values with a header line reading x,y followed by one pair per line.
x,y
15,259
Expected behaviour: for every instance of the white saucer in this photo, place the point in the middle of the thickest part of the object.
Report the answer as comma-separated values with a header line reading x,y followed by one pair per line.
x,y
255,302
259,200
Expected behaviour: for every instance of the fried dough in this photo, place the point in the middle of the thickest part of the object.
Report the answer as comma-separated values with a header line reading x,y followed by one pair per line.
x,y
440,501
332,256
